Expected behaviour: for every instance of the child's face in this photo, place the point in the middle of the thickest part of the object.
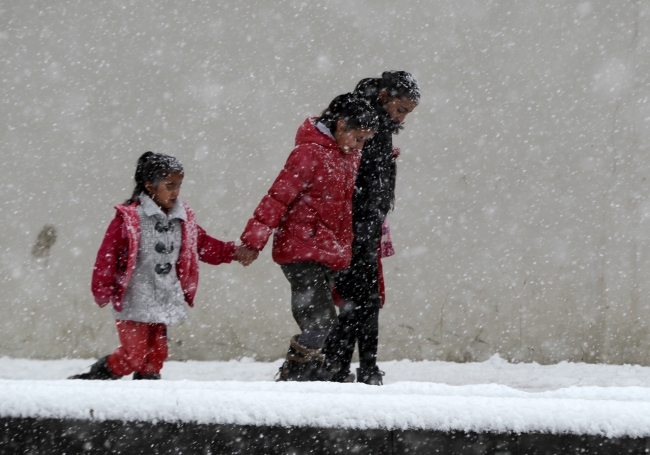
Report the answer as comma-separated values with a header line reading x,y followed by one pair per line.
x,y
397,108
349,139
166,192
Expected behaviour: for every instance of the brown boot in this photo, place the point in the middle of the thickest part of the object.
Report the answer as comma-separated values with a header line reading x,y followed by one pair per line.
x,y
303,364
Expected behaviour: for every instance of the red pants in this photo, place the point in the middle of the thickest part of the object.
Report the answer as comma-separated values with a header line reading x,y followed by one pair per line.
x,y
143,350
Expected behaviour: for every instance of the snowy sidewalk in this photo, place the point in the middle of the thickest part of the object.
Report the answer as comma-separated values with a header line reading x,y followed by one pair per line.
x,y
523,376
492,396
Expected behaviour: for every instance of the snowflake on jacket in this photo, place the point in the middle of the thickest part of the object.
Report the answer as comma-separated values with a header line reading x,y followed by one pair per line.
x,y
118,254
310,204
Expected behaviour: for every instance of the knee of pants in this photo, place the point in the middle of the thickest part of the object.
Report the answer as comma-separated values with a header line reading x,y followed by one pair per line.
x,y
348,324
135,354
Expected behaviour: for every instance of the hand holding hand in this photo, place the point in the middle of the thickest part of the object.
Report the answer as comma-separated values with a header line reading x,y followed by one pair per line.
x,y
245,256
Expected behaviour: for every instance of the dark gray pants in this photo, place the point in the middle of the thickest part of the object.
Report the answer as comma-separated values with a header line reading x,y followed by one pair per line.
x,y
312,304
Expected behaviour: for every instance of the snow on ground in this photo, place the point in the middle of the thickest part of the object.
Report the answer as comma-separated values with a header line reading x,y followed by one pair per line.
x,y
489,396
522,376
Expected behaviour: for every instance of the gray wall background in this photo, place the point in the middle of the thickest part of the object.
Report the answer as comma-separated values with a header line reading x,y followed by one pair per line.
x,y
523,219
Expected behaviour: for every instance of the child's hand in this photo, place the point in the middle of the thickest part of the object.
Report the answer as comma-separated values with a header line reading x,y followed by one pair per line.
x,y
245,256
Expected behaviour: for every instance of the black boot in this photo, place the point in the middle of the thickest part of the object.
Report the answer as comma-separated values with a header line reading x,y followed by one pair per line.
x,y
303,364
337,365
98,370
151,376
370,376
343,376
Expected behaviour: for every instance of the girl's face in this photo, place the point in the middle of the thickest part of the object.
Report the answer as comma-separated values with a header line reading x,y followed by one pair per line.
x,y
166,192
349,139
397,108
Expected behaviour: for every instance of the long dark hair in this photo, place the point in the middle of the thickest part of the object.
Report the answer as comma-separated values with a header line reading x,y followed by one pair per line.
x,y
353,109
398,84
153,167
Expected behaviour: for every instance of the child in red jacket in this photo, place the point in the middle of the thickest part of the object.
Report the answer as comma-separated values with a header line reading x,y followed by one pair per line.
x,y
310,208
148,267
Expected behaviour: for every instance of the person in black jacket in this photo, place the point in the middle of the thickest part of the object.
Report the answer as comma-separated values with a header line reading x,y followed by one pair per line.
x,y
394,96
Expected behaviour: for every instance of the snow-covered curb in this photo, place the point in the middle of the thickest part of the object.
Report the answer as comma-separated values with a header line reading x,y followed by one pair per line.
x,y
611,412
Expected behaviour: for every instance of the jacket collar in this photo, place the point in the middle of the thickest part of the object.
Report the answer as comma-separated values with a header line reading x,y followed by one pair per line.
x,y
151,209
309,134
323,129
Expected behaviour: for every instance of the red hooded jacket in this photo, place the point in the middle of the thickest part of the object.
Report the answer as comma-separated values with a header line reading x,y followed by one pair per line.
x,y
309,204
117,255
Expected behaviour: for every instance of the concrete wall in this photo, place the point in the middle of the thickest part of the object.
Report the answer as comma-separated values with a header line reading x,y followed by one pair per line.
x,y
93,436
523,219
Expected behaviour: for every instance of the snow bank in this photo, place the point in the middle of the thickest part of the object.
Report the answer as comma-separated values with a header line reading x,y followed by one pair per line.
x,y
611,412
492,396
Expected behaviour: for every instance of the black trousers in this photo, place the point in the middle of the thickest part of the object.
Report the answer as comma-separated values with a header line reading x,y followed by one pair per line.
x,y
357,324
359,316
312,304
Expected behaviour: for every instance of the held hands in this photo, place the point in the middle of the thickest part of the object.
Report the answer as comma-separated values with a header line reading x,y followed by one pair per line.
x,y
245,256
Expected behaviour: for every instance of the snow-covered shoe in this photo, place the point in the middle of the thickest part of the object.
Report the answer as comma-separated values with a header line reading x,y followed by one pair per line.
x,y
98,370
370,376
150,376
303,364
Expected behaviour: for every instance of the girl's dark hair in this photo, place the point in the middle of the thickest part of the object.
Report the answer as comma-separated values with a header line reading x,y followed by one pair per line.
x,y
153,167
398,84
353,109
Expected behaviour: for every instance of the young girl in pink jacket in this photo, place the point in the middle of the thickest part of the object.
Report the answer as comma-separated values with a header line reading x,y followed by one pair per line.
x,y
147,267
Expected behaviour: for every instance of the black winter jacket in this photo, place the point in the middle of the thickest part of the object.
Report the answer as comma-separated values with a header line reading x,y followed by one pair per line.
x,y
373,197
